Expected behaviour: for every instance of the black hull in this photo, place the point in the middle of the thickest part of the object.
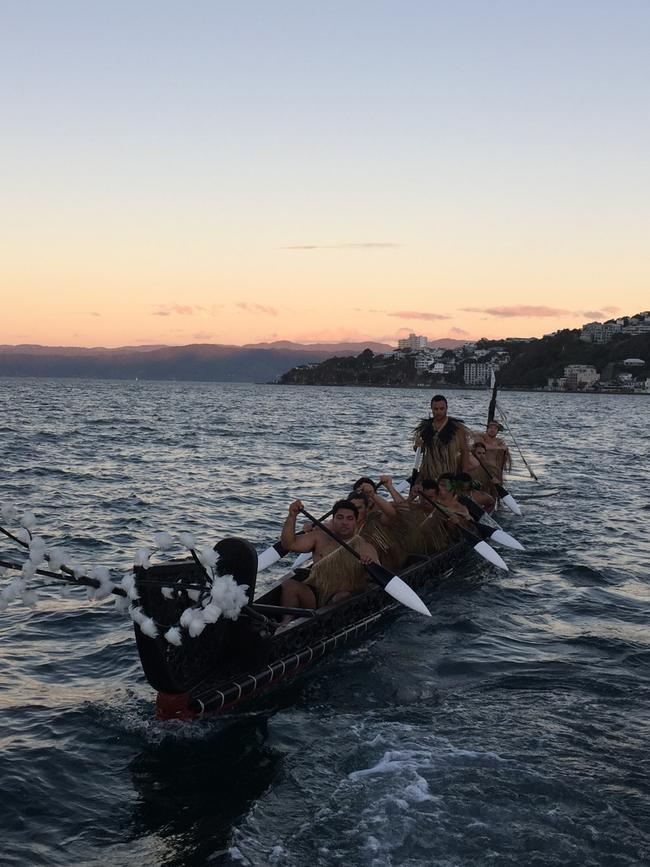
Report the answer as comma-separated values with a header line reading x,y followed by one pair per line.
x,y
260,662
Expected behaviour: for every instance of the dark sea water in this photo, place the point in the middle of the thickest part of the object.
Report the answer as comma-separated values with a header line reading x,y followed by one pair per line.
x,y
513,727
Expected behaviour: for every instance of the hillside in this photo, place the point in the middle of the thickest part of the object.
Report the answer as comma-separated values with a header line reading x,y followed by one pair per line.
x,y
198,362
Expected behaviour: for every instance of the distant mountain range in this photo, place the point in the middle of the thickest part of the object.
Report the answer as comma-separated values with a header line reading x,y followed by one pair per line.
x,y
262,362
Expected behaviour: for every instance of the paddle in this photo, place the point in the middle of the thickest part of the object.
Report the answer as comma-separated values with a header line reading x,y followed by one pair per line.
x,y
481,547
277,551
392,584
403,487
506,497
489,530
505,419
81,581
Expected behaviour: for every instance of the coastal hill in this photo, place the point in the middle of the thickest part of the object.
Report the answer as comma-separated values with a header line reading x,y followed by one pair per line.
x,y
521,363
195,362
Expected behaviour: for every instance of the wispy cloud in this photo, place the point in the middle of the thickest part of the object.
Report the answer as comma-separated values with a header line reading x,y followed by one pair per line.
x,y
521,310
460,332
416,314
257,308
366,245
603,313
177,309
540,311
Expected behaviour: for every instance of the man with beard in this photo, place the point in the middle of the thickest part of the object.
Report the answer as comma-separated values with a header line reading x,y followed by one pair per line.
x,y
444,442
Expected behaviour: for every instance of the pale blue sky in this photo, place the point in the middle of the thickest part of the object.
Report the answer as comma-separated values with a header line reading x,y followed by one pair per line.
x,y
502,145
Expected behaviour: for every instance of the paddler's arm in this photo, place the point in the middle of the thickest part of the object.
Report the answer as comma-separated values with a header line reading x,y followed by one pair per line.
x,y
387,482
301,544
388,513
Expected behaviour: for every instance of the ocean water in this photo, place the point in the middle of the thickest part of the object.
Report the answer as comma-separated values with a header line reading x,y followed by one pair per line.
x,y
513,727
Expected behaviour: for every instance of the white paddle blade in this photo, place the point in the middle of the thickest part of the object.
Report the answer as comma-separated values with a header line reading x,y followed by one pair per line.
x,y
300,559
502,538
267,558
402,487
400,590
490,555
510,502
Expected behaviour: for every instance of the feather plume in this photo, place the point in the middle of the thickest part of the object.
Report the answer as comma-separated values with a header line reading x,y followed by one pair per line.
x,y
173,636
163,540
187,539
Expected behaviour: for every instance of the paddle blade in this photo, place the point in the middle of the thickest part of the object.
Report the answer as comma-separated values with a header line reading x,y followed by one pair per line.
x,y
510,502
300,559
483,549
267,558
398,589
503,538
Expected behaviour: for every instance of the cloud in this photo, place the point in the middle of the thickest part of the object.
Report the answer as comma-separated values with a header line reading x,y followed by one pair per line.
x,y
603,313
257,308
521,310
366,245
414,314
534,311
178,309
459,331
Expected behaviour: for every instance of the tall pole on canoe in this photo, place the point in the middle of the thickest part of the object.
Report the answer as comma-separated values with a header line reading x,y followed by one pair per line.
x,y
492,408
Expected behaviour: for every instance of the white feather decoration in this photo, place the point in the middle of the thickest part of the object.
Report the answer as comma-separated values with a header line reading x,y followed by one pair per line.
x,y
56,558
163,540
207,555
29,570
148,627
142,557
37,550
187,539
197,625
186,617
30,598
137,614
211,613
28,520
173,636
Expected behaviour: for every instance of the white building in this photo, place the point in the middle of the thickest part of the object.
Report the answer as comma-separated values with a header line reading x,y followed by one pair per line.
x,y
476,373
413,341
580,375
599,332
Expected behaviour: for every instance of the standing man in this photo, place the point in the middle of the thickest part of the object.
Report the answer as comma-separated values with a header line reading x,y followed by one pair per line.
x,y
444,442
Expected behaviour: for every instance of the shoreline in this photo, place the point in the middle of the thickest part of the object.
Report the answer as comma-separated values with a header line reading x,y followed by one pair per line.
x,y
458,387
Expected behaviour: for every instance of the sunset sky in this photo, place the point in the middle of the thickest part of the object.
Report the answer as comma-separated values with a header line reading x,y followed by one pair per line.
x,y
233,172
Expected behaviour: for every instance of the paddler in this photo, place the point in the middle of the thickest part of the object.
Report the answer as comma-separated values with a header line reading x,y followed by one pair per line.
x,y
444,442
497,455
335,574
